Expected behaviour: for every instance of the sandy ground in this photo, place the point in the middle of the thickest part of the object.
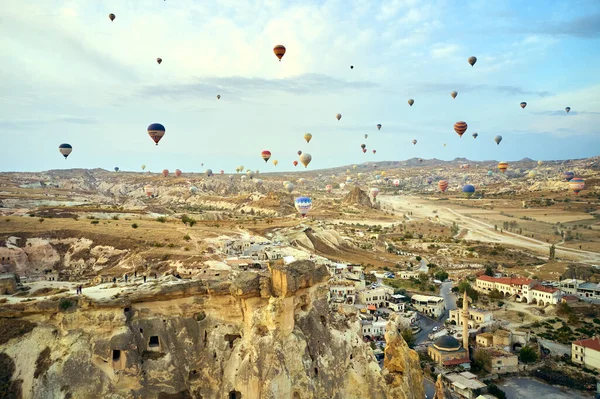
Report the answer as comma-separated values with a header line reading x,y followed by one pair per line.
x,y
478,230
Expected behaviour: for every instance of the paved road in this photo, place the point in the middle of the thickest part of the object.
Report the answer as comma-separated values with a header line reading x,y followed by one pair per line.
x,y
429,388
527,388
427,325
449,298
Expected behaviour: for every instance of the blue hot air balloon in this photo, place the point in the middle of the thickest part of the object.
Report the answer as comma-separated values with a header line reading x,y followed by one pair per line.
x,y
468,190
303,205
156,131
429,180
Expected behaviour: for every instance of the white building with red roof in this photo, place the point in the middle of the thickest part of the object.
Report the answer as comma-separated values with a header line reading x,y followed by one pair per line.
x,y
523,289
586,352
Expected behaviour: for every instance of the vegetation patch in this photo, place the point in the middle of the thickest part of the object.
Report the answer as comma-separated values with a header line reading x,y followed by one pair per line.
x,y
43,363
13,328
8,387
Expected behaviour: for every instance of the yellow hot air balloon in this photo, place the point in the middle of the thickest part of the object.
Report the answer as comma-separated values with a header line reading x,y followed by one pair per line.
x,y
305,158
503,166
307,137
275,162
411,102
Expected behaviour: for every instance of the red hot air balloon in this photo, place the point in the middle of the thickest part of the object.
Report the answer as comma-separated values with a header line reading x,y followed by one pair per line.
x,y
165,172
443,185
177,173
364,150
374,151
460,127
295,163
266,155
222,171
279,51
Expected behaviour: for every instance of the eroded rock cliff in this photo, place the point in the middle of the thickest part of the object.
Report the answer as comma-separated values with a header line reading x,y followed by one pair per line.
x,y
257,335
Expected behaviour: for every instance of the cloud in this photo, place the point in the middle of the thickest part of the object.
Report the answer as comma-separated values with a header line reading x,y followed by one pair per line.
x,y
587,26
511,90
444,51
24,124
564,113
240,86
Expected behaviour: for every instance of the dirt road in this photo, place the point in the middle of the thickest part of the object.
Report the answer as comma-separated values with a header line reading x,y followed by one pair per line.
x,y
477,229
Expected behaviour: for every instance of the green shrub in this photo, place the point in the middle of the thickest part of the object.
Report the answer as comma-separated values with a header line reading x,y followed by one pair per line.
x,y
65,303
135,226
161,219
95,222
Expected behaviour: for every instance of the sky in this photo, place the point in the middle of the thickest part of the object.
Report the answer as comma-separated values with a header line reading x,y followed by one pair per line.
x,y
70,75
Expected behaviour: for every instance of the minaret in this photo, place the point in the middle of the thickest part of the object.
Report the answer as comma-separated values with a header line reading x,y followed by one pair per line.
x,y
465,320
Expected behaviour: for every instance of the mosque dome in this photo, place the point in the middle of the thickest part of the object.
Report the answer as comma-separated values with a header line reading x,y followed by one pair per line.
x,y
447,343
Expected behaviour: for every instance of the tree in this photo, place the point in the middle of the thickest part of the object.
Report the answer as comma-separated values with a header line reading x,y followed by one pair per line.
x,y
528,354
423,278
482,360
464,285
521,316
497,392
489,271
409,337
552,252
441,275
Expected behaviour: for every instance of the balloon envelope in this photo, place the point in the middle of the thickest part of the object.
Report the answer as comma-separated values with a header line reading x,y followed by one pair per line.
x,y
266,155
454,94
307,137
379,126
303,205
279,51
523,104
460,127
65,149
472,60
498,139
156,131
411,102
577,184
305,158
338,116
468,190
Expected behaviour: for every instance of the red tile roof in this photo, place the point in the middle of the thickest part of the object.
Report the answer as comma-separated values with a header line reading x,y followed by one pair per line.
x,y
455,362
591,343
371,307
539,287
507,280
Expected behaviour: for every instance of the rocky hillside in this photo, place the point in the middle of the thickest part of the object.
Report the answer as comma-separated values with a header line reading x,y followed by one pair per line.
x,y
357,197
268,335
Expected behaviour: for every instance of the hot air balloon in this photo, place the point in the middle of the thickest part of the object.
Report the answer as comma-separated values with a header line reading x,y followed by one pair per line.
x,y
307,137
156,131
338,116
498,139
165,172
149,190
443,185
460,127
414,141
411,102
266,155
490,173
303,205
342,185
222,172
143,167
577,184
379,126
177,173
218,96
532,173
468,190
568,109
364,150
305,158
258,182
503,166
351,66
374,192
159,60
289,187
193,189
472,60
374,151
65,149
540,162
299,152
523,104
454,94
420,160
348,180
250,173
279,51
568,176
396,182
295,163
363,146
475,135
111,16
208,172
366,135
301,181
202,164
429,180
116,168
275,162
328,188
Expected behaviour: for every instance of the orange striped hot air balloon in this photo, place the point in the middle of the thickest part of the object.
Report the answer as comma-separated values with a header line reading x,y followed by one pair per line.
x,y
279,51
460,127
177,173
443,185
503,166
577,184
266,155
165,172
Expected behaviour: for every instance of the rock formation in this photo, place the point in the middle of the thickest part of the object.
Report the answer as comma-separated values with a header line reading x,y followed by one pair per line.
x,y
255,335
357,197
439,388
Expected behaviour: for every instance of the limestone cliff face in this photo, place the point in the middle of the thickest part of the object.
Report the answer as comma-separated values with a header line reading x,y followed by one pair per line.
x,y
258,335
